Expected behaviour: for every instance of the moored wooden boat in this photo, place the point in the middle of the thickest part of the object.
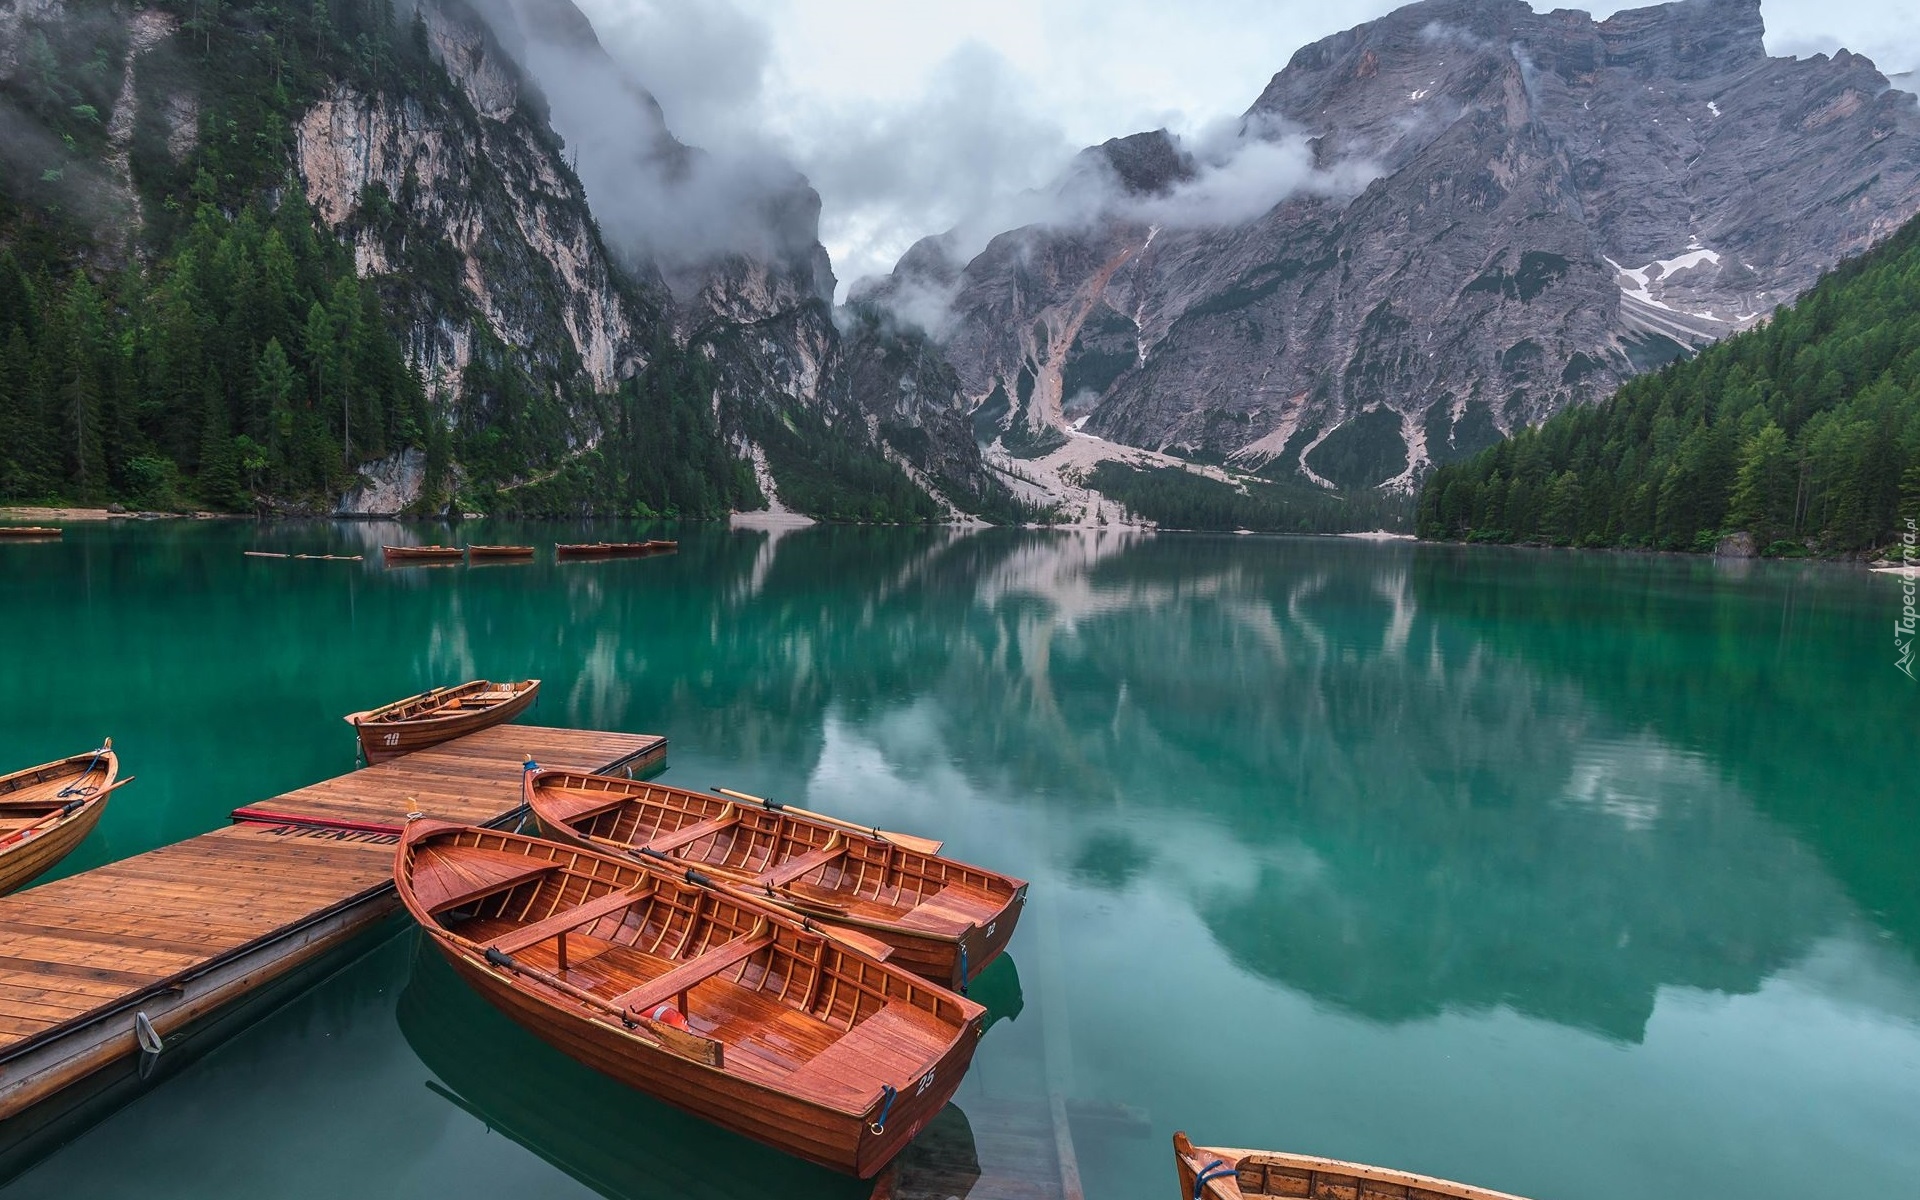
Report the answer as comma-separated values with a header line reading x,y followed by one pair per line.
x,y
46,811
432,717
1215,1173
475,551
944,919
613,549
30,531
733,1010
422,554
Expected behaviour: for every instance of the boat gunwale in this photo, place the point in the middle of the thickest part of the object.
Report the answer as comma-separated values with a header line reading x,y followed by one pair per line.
x,y
631,792
384,715
57,820
1190,1159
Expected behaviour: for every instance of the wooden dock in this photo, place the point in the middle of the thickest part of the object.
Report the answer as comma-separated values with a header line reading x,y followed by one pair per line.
x,y
147,947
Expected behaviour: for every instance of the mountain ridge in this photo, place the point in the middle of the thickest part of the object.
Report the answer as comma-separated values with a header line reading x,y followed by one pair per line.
x,y
1552,205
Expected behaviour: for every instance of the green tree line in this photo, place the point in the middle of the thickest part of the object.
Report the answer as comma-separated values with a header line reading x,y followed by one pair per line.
x,y
1804,432
1177,498
251,359
206,342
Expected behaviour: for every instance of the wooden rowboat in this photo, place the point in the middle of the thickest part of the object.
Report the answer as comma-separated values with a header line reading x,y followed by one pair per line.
x,y
1212,1173
422,554
944,919
30,531
499,551
432,717
736,1011
46,811
613,549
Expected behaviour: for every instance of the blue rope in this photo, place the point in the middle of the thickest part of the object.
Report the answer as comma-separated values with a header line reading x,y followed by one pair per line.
x,y
886,1106
529,765
74,789
1217,1169
963,968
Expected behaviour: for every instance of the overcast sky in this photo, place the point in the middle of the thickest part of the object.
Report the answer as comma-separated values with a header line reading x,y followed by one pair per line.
x,y
908,117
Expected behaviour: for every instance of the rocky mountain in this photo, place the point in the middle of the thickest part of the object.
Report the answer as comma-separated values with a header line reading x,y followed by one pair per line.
x,y
1474,215
597,317
722,259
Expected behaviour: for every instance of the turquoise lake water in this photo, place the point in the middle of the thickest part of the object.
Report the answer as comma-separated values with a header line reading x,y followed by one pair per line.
x,y
1577,876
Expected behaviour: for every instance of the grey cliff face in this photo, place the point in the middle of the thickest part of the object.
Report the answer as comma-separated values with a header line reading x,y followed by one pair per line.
x,y
1555,204
676,244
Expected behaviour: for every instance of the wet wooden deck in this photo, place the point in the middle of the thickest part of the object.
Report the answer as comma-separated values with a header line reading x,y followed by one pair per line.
x,y
179,933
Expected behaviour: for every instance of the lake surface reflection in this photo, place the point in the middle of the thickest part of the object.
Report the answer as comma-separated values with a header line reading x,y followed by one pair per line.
x,y
1571,875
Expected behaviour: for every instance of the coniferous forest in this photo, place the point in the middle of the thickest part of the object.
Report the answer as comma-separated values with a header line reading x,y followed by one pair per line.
x,y
244,356
1804,433
202,341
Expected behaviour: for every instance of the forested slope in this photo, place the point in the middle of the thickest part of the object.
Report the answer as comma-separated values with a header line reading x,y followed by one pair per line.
x,y
1804,432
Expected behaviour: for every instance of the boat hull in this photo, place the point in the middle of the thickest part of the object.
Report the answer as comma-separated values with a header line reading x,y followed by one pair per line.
x,y
24,860
380,741
572,550
836,1140
422,554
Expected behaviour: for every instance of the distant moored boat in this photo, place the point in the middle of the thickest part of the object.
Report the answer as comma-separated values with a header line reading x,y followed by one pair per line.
x,y
30,531
433,717
422,554
499,552
613,549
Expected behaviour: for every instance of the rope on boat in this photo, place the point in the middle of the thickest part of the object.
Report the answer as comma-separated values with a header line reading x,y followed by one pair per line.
x,y
529,765
76,788
963,966
147,1036
886,1106
1217,1169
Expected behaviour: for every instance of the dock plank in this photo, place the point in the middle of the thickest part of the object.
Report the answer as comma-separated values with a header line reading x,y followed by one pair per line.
x,y
184,929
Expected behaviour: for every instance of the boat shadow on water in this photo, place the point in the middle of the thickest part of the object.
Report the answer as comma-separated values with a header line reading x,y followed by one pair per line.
x,y
622,1144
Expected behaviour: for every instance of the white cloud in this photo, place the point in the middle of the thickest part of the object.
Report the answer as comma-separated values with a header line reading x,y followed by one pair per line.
x,y
907,117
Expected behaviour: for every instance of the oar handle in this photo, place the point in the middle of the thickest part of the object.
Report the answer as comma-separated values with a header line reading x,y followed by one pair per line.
x,y
776,806
64,811
906,841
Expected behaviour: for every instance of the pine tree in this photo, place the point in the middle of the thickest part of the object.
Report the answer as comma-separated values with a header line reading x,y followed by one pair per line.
x,y
1763,493
79,388
219,466
274,384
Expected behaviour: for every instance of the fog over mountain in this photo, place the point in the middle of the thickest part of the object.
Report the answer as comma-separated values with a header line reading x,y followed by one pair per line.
x,y
911,122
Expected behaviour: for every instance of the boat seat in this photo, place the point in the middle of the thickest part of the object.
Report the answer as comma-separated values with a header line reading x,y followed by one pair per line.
x,y
794,868
481,873
896,1044
564,922
688,834
687,974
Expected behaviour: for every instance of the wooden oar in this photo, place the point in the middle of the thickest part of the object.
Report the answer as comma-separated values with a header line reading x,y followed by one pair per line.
x,y
64,810
905,840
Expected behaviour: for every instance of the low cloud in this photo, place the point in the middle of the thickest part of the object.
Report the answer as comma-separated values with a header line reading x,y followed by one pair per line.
x,y
1243,171
1235,172
658,200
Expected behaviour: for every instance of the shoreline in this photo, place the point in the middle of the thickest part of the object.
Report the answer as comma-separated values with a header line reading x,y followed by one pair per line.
x,y
44,512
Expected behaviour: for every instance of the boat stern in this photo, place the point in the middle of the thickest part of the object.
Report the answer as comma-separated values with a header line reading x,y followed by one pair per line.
x,y
888,1127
